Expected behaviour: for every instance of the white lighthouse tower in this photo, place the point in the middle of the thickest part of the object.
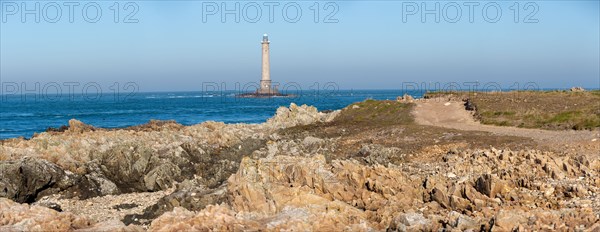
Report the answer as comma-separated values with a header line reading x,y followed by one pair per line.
x,y
266,88
265,81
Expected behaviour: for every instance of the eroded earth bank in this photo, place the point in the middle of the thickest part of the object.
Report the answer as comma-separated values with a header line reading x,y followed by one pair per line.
x,y
372,166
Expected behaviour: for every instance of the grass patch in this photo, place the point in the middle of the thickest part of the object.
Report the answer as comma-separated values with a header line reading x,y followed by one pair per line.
x,y
566,116
377,113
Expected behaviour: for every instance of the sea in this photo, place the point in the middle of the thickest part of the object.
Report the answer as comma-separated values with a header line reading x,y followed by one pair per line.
x,y
24,115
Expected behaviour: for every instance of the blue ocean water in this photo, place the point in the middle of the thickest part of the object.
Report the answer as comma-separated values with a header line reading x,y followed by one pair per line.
x,y
23,115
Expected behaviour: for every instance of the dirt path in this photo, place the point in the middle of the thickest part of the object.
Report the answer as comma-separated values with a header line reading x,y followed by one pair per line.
x,y
452,114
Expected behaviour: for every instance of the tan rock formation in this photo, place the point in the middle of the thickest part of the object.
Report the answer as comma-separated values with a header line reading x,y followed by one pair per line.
x,y
298,115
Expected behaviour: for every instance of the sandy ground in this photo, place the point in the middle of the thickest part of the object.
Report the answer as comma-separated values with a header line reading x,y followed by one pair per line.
x,y
452,114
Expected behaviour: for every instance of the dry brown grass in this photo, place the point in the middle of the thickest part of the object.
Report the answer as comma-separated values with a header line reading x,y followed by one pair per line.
x,y
391,124
553,110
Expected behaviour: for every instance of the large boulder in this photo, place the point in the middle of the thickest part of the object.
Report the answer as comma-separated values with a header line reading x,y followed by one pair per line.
x,y
406,98
409,222
22,180
577,89
27,179
298,115
134,167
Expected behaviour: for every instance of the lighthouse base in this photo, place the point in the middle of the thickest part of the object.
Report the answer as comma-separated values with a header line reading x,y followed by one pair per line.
x,y
259,94
265,91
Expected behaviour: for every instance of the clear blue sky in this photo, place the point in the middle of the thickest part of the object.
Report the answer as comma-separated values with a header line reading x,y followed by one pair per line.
x,y
178,45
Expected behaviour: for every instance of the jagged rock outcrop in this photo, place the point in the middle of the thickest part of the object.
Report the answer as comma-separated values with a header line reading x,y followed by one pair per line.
x,y
497,191
76,126
405,98
23,179
285,193
135,168
367,195
217,176
298,115
151,158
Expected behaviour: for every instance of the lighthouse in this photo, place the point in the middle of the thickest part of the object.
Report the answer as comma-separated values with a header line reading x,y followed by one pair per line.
x,y
265,81
266,88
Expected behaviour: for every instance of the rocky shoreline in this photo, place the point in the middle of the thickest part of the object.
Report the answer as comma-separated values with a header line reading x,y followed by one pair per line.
x,y
300,170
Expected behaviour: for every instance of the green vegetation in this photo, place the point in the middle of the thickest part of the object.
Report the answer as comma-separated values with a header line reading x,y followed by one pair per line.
x,y
376,113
